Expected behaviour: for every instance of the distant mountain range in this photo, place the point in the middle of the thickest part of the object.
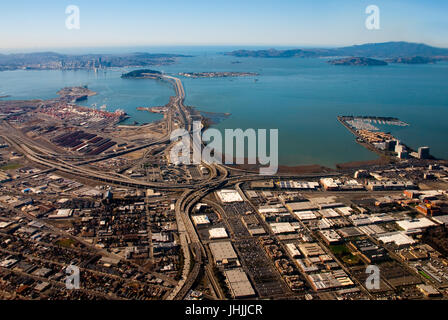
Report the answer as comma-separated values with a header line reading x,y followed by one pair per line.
x,y
56,61
392,52
386,50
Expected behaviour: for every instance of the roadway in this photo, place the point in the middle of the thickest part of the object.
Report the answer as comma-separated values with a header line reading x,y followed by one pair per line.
x,y
193,192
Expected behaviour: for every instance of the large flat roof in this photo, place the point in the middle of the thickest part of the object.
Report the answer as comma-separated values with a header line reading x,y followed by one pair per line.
x,y
218,233
239,283
399,238
222,250
420,223
228,196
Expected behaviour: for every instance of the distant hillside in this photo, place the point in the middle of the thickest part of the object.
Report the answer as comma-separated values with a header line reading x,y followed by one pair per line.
x,y
415,60
273,53
143,73
357,61
379,50
392,50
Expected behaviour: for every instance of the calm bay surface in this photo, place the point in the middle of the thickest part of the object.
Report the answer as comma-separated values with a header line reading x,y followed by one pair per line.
x,y
300,97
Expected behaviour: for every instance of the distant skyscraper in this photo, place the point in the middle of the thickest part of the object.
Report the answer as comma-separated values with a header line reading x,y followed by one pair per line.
x,y
403,154
399,148
423,153
391,144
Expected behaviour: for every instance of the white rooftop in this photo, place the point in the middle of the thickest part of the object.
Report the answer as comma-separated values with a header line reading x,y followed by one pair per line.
x,y
415,224
305,215
202,219
399,238
218,233
227,196
282,227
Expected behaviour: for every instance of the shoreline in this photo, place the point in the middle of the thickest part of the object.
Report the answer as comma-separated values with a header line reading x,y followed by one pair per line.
x,y
288,166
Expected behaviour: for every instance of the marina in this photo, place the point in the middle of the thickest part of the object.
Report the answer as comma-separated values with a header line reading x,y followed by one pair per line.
x,y
383,143
368,123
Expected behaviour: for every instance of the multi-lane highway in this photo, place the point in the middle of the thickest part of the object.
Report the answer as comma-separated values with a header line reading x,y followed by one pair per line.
x,y
193,192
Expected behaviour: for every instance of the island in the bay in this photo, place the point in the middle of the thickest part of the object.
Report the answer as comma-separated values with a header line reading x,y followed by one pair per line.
x,y
141,74
357,61
392,52
75,94
217,74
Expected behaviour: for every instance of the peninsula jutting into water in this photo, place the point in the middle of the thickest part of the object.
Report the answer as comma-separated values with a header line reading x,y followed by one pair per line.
x,y
215,74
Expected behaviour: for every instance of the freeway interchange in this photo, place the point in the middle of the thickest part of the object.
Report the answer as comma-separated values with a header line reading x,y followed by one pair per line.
x,y
220,176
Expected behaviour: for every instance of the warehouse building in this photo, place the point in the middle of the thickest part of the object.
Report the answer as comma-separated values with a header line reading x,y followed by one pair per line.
x,y
201,221
330,236
305,215
218,233
311,249
229,196
400,239
301,206
223,253
239,284
61,214
415,225
292,250
282,228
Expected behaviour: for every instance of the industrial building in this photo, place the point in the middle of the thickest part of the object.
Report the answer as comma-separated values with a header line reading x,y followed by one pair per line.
x,y
415,225
223,253
329,280
299,185
329,213
282,228
239,284
400,239
293,251
369,251
301,206
390,185
218,233
330,184
423,153
428,290
4,177
441,219
61,214
305,215
252,225
350,232
229,196
330,236
311,249
201,221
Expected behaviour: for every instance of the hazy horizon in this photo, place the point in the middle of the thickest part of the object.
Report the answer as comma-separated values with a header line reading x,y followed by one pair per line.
x,y
174,49
283,23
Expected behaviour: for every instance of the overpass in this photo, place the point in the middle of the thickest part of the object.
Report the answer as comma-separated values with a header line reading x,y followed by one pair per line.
x,y
193,192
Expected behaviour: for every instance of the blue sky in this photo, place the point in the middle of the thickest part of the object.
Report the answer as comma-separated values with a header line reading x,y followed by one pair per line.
x,y
41,24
